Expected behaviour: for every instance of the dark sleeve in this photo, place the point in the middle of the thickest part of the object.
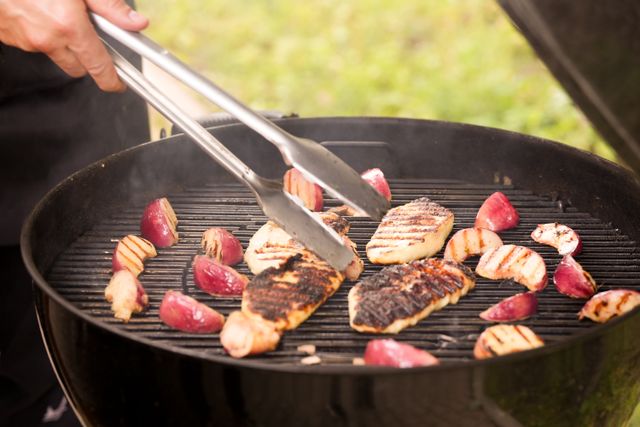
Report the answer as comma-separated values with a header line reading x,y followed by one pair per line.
x,y
23,72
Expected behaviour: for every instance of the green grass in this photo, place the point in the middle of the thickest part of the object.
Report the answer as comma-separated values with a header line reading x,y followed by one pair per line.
x,y
635,419
424,59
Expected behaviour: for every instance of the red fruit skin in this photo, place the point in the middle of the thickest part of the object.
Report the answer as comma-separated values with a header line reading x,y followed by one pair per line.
x,y
376,179
220,244
516,307
216,278
158,224
389,352
187,314
571,280
141,296
310,193
497,213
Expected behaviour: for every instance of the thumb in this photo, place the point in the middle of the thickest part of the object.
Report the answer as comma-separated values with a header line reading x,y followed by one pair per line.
x,y
119,13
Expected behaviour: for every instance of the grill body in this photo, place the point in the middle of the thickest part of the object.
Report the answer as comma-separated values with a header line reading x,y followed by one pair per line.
x,y
117,377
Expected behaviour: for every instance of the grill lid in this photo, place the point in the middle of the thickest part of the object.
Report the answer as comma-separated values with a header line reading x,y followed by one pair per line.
x,y
591,48
82,271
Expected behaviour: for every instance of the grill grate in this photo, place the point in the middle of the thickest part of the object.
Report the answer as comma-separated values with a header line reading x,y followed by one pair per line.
x,y
83,270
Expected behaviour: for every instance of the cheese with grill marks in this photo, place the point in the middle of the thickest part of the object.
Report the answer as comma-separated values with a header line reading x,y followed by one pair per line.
x,y
410,232
401,295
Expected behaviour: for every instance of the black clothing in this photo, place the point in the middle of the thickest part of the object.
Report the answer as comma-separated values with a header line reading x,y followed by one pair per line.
x,y
50,126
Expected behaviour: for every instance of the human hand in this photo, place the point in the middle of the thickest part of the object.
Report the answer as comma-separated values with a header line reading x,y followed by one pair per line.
x,y
62,30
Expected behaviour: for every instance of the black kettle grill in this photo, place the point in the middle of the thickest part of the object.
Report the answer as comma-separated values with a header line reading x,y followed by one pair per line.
x,y
145,373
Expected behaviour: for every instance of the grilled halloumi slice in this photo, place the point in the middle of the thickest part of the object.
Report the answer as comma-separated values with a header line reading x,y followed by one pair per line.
x,y
286,296
271,246
401,295
504,339
409,232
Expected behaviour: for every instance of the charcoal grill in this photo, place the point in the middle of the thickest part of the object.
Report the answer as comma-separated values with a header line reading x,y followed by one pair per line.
x,y
145,372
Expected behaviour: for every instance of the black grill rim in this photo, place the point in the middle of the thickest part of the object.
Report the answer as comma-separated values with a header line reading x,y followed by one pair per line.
x,y
343,370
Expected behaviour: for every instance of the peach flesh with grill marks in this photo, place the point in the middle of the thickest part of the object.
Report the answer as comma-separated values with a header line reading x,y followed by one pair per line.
x,y
499,340
469,242
130,254
521,264
604,306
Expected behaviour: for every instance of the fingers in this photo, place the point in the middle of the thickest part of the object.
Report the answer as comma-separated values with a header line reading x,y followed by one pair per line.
x,y
62,30
119,13
94,58
67,60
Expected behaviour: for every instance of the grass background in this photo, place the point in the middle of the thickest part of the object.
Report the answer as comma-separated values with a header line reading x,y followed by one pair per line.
x,y
449,60
445,59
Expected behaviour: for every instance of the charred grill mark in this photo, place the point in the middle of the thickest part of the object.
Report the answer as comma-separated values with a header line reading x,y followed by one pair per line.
x,y
404,291
452,247
621,302
133,260
381,309
495,336
506,257
465,241
133,245
274,297
390,230
337,222
524,336
480,240
408,225
598,307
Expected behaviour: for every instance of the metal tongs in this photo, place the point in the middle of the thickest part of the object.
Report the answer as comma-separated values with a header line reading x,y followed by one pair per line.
x,y
312,159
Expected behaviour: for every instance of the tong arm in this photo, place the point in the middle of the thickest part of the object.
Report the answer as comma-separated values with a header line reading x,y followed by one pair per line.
x,y
279,206
164,59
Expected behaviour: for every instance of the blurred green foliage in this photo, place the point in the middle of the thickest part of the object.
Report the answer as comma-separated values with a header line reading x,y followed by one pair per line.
x,y
635,419
444,59
448,60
